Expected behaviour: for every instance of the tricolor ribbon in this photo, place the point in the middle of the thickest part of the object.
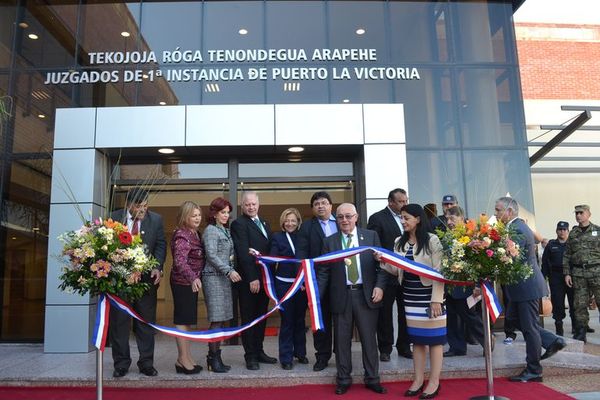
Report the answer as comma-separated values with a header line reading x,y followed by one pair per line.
x,y
306,275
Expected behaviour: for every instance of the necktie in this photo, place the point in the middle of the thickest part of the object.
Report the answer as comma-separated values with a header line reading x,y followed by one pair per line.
x,y
135,228
352,267
260,226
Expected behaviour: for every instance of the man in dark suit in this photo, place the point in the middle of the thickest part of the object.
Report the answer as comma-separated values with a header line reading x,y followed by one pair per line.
x,y
250,232
524,297
387,223
355,289
310,245
149,225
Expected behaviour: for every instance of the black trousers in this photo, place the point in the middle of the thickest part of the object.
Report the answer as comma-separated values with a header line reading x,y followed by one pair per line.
x,y
459,315
385,323
558,290
356,312
323,340
252,305
120,327
509,326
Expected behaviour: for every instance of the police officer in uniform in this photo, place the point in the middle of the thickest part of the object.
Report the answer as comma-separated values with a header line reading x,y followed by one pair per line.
x,y
552,268
581,267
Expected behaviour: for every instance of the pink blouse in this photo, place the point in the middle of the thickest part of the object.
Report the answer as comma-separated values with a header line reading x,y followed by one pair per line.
x,y
188,257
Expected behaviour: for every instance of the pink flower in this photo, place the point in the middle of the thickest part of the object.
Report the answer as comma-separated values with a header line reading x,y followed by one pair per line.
x,y
489,253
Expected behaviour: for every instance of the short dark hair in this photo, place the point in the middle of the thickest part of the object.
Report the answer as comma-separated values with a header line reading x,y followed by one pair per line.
x,y
136,195
320,195
393,193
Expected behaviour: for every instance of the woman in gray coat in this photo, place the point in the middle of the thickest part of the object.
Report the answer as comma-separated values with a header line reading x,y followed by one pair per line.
x,y
217,275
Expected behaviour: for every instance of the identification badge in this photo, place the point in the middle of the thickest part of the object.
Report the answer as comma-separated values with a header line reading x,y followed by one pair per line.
x,y
594,233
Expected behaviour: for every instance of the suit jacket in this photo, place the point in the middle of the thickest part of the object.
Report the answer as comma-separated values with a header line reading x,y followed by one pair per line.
x,y
152,231
246,234
280,246
432,259
384,223
533,287
332,277
310,239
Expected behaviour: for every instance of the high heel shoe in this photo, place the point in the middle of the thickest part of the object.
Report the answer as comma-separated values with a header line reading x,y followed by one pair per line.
x,y
430,395
413,393
180,369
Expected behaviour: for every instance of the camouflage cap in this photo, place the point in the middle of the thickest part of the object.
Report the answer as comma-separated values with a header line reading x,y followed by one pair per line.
x,y
582,207
562,225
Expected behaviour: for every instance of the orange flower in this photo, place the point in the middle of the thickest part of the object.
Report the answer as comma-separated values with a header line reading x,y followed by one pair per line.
x,y
109,223
471,227
484,228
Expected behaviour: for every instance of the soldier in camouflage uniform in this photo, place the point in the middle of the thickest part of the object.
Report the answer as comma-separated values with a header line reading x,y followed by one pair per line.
x,y
581,267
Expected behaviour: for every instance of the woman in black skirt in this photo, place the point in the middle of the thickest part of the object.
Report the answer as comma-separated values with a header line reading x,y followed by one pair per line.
x,y
188,261
423,298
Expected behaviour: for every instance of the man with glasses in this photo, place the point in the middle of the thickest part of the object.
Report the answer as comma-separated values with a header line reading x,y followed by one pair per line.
x,y
354,287
581,267
552,268
310,245
388,225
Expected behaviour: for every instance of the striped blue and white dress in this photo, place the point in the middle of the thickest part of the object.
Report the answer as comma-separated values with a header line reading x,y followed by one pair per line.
x,y
421,329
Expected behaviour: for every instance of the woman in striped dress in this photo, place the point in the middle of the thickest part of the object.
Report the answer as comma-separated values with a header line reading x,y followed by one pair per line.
x,y
423,298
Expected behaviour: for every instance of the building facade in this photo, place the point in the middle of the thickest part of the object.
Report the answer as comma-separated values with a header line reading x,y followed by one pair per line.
x,y
379,94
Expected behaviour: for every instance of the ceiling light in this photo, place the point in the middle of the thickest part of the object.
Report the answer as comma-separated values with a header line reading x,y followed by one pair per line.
x,y
291,87
145,76
346,101
42,116
294,159
125,34
162,103
166,150
40,95
23,25
296,149
33,36
243,31
35,229
360,31
14,238
212,88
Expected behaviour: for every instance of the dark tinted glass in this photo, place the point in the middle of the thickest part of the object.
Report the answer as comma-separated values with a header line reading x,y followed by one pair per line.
x,y
7,29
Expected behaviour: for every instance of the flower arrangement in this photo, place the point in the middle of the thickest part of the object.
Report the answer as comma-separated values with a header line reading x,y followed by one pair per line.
x,y
476,251
103,257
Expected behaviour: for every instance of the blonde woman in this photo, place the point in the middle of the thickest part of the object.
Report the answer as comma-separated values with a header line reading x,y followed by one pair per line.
x,y
188,261
292,333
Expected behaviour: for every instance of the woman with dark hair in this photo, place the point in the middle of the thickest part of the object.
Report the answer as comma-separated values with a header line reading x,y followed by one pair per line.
x,y
217,276
188,260
423,298
292,333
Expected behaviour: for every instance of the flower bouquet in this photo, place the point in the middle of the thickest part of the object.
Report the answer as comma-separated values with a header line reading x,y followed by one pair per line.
x,y
476,250
103,257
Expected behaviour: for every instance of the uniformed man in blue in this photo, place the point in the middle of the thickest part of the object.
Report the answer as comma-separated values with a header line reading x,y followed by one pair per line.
x,y
552,268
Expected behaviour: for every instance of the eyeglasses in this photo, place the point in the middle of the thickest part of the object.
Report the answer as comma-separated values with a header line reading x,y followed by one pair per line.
x,y
345,216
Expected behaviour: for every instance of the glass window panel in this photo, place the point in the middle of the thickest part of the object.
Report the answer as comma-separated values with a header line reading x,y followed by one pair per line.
x,y
432,174
232,92
267,170
361,91
297,91
7,28
490,109
491,174
428,109
295,25
172,171
483,31
103,25
419,31
6,107
345,17
223,21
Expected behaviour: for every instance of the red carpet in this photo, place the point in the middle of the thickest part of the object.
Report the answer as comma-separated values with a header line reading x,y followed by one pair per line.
x,y
452,389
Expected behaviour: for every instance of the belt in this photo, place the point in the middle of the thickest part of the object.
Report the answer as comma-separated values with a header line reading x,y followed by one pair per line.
x,y
355,287
584,266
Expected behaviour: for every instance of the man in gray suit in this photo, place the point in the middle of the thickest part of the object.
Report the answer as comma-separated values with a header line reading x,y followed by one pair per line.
x,y
355,288
149,225
524,297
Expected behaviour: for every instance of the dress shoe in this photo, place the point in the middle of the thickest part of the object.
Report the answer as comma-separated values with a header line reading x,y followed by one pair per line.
x,y
287,366
302,360
580,334
149,371
405,352
526,376
320,365
119,372
413,393
265,359
180,369
376,387
430,395
341,389
471,340
252,365
384,357
554,348
452,353
559,328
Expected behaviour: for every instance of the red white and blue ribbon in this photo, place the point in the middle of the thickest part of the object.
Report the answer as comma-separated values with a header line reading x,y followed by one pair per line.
x,y
306,275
